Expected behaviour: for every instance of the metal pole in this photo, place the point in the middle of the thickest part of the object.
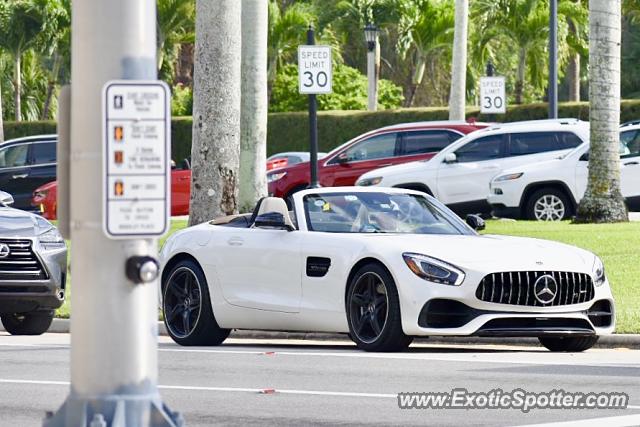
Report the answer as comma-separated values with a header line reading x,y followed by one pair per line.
x,y
553,60
313,124
114,366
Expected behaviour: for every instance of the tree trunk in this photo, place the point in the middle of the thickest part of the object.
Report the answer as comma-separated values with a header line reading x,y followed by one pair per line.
x,y
215,152
272,72
184,70
417,79
1,120
51,86
457,97
17,88
603,200
253,129
522,63
573,69
573,76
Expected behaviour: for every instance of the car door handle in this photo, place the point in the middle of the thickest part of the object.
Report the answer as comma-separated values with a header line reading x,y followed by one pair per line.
x,y
20,176
235,241
632,164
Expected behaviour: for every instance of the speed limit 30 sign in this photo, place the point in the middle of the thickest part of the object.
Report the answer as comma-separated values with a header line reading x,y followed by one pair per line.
x,y
493,95
314,69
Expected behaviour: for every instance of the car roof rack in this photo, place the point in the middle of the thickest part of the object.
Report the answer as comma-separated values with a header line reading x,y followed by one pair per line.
x,y
45,137
631,123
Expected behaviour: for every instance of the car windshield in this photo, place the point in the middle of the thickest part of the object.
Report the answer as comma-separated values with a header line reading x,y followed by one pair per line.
x,y
379,212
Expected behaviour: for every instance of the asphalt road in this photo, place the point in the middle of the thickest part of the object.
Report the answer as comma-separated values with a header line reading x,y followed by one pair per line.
x,y
331,383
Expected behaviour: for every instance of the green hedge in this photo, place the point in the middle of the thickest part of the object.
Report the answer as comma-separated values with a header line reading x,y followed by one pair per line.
x,y
290,131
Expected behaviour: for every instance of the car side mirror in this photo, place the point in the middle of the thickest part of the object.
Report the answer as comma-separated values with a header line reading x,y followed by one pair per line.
x,y
343,158
475,222
271,220
585,157
450,158
6,198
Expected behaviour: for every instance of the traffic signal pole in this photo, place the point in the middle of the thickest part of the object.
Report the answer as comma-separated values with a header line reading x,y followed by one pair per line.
x,y
114,365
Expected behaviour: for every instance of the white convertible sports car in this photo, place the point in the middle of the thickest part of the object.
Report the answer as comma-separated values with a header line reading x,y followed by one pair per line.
x,y
383,265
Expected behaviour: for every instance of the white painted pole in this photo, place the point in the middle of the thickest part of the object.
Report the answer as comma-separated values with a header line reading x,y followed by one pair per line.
x,y
372,95
114,366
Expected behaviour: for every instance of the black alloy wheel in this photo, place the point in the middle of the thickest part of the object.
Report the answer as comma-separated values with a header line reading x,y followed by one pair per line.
x,y
373,311
187,307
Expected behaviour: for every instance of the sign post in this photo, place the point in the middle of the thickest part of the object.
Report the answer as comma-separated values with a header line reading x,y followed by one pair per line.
x,y
315,77
493,95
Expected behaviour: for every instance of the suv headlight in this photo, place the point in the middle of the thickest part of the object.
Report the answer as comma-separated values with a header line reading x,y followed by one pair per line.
x,y
51,237
509,177
273,177
598,272
433,269
366,182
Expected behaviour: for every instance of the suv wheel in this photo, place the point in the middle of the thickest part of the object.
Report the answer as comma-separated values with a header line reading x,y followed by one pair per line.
x,y
35,323
548,204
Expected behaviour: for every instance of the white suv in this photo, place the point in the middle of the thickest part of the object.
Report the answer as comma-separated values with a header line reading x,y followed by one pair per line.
x,y
551,190
460,174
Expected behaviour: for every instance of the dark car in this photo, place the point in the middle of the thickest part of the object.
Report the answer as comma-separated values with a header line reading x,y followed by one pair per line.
x,y
33,270
26,164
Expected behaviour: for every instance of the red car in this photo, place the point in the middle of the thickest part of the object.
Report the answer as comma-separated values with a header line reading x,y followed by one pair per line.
x,y
45,197
386,146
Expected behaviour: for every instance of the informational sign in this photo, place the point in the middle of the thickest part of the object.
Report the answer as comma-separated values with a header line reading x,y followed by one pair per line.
x,y
315,73
493,95
137,171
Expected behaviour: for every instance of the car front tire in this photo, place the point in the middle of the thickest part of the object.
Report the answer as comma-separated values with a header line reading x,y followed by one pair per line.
x,y
186,306
548,204
568,344
35,323
373,311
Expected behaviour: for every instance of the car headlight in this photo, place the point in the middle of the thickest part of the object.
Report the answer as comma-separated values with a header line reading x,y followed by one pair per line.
x,y
598,272
508,177
366,182
433,269
51,237
273,177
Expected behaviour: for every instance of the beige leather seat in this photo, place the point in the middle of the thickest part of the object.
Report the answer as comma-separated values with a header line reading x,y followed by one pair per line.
x,y
274,204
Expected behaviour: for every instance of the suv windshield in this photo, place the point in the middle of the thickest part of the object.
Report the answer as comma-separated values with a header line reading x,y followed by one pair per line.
x,y
379,212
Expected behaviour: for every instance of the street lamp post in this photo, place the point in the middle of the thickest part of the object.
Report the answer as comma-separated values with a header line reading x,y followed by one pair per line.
x,y
373,59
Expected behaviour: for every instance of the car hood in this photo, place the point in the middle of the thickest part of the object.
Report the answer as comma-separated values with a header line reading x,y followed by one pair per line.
x,y
535,167
493,253
403,168
17,223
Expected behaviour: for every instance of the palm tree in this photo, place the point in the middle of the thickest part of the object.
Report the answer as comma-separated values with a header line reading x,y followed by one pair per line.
x,y
287,30
21,23
523,25
253,136
457,99
603,201
215,152
431,39
175,25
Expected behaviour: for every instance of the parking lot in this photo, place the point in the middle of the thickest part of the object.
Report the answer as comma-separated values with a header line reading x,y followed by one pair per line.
x,y
289,382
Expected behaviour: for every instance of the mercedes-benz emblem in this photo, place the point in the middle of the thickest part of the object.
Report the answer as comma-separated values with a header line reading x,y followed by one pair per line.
x,y
4,250
545,289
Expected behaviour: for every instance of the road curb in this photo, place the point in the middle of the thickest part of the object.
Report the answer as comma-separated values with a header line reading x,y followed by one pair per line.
x,y
609,341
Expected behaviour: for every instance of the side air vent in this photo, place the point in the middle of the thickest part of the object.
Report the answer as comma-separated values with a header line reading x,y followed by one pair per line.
x,y
317,266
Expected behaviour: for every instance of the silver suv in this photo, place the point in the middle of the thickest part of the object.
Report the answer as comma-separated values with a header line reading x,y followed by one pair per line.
x,y
33,269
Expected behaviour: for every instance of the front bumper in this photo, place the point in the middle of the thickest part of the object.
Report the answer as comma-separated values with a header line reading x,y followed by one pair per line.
x,y
26,295
419,299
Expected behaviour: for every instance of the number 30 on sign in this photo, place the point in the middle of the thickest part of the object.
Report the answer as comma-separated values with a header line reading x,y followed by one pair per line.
x,y
314,69
492,95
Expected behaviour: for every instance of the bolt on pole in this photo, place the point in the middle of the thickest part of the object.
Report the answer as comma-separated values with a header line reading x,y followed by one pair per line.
x,y
114,358
553,59
313,124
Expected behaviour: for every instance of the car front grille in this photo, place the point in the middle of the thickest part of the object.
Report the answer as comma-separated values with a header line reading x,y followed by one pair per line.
x,y
21,263
521,288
